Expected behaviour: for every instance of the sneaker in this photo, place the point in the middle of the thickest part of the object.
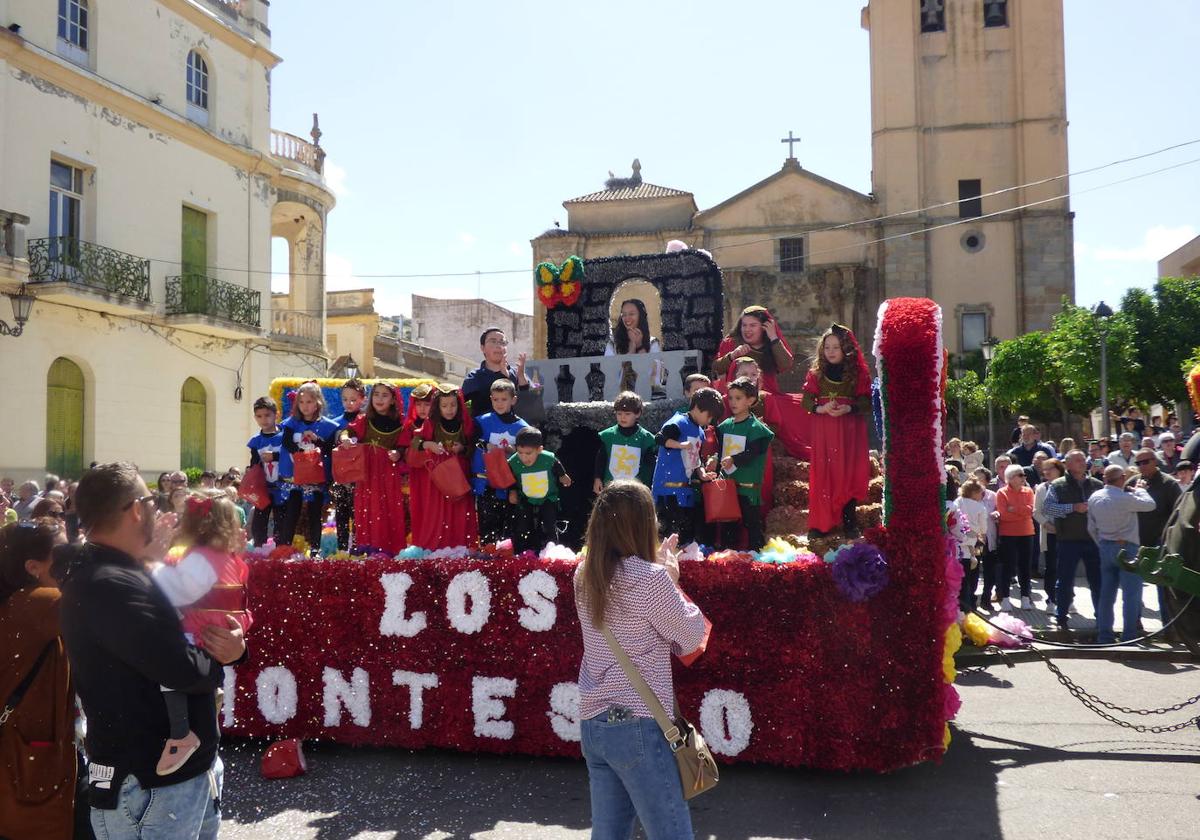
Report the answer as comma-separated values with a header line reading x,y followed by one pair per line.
x,y
176,753
1026,603
1062,621
1005,604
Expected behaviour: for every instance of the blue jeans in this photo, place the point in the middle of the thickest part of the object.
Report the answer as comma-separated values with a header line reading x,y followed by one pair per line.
x,y
1113,576
189,810
632,772
1070,553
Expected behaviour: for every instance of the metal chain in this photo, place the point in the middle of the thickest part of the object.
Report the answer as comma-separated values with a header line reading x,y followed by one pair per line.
x,y
1094,703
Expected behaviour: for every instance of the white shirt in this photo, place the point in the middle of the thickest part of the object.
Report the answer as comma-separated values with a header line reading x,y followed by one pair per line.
x,y
977,516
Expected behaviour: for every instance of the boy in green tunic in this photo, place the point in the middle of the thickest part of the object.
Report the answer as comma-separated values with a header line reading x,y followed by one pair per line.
x,y
743,442
626,449
539,475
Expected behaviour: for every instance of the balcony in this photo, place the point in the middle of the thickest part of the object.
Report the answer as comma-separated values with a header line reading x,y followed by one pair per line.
x,y
290,147
297,328
67,270
211,306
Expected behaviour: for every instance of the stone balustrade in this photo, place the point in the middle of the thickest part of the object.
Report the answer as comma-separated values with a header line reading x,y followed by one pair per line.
x,y
296,149
298,325
600,378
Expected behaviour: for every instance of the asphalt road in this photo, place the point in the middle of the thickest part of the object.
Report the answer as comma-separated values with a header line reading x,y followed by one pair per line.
x,y
1027,761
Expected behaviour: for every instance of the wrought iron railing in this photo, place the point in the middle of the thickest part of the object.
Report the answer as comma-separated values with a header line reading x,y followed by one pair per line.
x,y
196,294
296,325
65,259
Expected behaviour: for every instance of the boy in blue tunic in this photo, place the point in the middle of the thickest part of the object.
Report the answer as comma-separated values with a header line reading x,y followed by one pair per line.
x,y
264,449
679,466
497,429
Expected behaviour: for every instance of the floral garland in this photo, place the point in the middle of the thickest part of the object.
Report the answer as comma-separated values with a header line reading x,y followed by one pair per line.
x,y
282,387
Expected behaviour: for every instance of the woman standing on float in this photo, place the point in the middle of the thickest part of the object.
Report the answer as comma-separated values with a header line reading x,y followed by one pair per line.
x,y
756,336
837,393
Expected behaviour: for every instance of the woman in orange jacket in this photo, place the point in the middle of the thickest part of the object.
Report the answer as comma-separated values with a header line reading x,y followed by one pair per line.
x,y
1014,510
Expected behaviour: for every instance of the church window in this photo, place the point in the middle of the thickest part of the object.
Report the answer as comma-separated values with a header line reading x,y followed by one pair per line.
x,y
974,326
933,15
73,30
197,88
995,13
970,202
791,255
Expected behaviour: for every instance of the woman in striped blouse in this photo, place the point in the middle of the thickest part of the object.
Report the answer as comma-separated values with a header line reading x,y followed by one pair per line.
x,y
629,583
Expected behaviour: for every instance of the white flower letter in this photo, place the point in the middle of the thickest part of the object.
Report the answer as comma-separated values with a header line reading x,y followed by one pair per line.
x,y
725,721
276,689
393,622
417,684
353,695
489,709
564,711
230,689
538,590
473,584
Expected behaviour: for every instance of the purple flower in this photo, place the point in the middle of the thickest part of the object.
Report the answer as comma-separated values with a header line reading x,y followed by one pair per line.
x,y
860,571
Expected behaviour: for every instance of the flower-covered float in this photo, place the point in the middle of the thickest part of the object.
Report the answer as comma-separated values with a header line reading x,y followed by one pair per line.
x,y
838,662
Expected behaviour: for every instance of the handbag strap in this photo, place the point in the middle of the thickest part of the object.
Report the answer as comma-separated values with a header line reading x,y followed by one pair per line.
x,y
669,729
19,692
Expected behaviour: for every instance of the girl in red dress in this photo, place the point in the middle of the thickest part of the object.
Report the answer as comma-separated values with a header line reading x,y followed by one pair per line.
x,y
416,477
448,433
379,501
837,392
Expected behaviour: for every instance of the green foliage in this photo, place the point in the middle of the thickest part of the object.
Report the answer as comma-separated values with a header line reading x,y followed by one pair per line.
x,y
1166,326
193,475
973,394
1074,343
1024,377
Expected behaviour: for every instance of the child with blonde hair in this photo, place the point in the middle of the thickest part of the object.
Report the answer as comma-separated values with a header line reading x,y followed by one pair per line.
x,y
208,587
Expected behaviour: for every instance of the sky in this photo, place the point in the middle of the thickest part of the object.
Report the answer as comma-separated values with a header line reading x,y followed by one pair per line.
x,y
455,130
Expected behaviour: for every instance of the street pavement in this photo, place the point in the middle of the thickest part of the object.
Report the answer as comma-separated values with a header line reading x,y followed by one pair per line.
x,y
1027,761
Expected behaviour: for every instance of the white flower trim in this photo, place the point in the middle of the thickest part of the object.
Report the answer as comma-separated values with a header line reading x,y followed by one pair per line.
x,y
564,711
354,695
725,721
489,709
276,689
939,362
883,406
538,590
417,684
473,584
230,695
554,551
393,621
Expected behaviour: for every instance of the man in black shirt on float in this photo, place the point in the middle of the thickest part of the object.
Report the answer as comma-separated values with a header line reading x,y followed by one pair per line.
x,y
477,387
125,644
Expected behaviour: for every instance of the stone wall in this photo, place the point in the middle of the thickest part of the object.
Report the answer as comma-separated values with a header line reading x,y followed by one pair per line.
x,y
1047,263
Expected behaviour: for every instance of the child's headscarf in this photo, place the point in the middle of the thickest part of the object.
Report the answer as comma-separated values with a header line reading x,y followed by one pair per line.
x,y
854,357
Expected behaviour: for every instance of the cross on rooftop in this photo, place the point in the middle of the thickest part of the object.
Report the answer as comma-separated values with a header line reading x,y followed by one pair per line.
x,y
791,141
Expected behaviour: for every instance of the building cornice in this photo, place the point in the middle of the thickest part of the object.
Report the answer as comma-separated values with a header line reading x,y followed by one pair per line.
x,y
211,23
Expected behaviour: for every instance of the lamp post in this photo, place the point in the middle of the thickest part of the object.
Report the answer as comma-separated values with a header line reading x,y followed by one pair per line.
x,y
22,306
958,375
989,351
1103,312
351,367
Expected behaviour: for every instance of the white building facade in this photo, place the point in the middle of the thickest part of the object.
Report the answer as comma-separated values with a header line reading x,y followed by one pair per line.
x,y
140,186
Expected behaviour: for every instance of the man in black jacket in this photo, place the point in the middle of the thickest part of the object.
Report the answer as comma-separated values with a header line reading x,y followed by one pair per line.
x,y
1165,491
126,644
477,387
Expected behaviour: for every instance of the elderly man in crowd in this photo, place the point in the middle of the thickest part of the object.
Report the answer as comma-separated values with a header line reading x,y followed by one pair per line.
x,y
1185,473
28,495
1067,504
1023,453
1165,491
1001,464
1169,455
1112,516
1123,457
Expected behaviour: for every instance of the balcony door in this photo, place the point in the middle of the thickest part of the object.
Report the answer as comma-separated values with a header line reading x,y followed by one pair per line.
x,y
66,210
194,250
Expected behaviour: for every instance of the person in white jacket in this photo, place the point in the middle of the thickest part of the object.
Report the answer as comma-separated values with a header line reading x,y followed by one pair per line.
x,y
991,560
1052,469
973,544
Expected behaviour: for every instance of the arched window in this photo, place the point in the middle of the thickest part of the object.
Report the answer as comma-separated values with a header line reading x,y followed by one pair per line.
x,y
73,30
197,88
64,419
193,425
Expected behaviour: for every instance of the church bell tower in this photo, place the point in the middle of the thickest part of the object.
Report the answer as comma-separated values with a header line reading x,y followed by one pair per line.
x,y
968,98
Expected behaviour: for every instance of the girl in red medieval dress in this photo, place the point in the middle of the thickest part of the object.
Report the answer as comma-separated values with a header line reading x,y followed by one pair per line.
x,y
443,522
379,521
417,481
837,393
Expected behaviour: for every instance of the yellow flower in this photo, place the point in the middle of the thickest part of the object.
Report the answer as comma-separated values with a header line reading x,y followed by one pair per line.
x,y
976,629
953,643
946,738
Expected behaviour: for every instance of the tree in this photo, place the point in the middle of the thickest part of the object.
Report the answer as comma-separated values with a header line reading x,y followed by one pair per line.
x,y
1024,377
970,389
1166,327
1074,342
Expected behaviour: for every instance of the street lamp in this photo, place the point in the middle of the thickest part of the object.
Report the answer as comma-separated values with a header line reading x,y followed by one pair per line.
x,y
22,305
351,367
989,352
1103,312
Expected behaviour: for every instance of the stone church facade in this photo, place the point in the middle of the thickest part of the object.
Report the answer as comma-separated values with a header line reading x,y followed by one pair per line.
x,y
969,143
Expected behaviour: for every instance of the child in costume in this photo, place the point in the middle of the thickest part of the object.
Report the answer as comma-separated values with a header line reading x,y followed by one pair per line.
x,y
354,394
306,429
264,449
448,433
208,586
498,429
744,448
626,449
539,475
837,393
680,466
756,336
379,501
417,480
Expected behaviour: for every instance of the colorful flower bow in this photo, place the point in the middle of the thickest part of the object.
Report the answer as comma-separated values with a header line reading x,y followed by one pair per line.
x,y
559,286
